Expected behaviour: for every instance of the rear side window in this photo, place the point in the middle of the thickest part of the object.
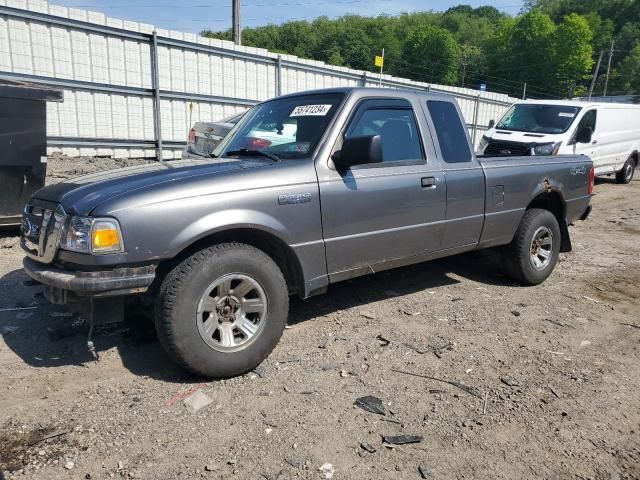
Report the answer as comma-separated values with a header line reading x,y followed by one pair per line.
x,y
452,138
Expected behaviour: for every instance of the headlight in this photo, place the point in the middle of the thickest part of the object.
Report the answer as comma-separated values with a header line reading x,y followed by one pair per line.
x,y
92,235
484,141
547,148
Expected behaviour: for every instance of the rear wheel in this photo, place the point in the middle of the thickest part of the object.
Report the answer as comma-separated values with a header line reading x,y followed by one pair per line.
x,y
532,255
626,174
221,311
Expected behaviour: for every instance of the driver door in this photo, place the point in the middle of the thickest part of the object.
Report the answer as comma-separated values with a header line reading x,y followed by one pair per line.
x,y
375,214
592,149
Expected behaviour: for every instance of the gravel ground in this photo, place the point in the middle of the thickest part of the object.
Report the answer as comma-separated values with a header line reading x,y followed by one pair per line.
x,y
536,382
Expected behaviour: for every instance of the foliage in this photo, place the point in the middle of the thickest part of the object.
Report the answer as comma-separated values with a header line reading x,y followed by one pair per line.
x,y
610,20
626,78
572,52
434,52
552,45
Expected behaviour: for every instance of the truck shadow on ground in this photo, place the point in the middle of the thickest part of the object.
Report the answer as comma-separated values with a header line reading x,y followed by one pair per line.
x,y
605,180
49,336
483,267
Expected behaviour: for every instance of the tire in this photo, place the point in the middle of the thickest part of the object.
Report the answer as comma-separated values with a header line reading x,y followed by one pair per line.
x,y
625,175
520,261
205,305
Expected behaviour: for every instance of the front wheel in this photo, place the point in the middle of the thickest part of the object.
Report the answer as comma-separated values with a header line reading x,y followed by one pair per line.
x,y
626,174
532,255
221,311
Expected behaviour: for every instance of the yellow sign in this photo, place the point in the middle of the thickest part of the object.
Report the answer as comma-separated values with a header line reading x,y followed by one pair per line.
x,y
379,61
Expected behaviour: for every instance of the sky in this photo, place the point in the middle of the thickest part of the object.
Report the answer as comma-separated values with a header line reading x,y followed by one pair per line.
x,y
197,15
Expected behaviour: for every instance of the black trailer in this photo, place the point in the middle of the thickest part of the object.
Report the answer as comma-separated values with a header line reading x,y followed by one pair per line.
x,y
23,144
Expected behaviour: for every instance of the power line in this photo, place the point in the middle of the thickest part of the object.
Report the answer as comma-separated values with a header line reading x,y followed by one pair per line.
x,y
502,81
497,85
525,67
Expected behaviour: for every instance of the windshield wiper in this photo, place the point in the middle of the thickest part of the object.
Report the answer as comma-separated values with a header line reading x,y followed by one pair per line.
x,y
254,153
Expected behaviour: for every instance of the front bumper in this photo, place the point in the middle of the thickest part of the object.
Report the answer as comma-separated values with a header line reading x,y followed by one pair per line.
x,y
10,221
119,281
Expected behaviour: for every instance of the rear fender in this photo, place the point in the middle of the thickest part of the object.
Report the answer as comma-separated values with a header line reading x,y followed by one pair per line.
x,y
548,197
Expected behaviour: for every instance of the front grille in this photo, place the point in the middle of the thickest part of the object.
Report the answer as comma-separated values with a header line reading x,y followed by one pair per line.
x,y
507,149
40,231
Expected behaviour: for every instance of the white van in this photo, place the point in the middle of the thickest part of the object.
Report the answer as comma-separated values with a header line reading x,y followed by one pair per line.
x,y
609,133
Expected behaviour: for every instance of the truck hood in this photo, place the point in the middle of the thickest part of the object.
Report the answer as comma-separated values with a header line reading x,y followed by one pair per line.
x,y
523,137
80,195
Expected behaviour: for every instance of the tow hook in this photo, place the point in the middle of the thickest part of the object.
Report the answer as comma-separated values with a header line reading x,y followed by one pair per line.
x,y
95,310
90,346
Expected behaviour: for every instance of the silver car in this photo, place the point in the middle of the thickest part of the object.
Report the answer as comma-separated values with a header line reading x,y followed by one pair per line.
x,y
204,137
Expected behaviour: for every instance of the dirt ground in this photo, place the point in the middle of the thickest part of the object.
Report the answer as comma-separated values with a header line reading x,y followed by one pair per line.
x,y
545,380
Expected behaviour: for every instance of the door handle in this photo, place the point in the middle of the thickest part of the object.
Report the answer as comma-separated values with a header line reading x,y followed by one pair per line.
x,y
428,182
594,142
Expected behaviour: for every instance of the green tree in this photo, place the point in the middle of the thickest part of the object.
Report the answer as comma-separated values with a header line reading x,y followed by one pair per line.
x,y
434,52
617,20
572,53
527,55
547,46
626,78
602,30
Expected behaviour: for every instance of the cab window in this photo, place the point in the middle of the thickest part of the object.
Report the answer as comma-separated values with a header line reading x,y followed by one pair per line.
x,y
396,125
588,120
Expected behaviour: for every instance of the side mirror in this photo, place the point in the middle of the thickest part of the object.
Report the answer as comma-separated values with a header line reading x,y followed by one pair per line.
x,y
492,123
584,135
358,151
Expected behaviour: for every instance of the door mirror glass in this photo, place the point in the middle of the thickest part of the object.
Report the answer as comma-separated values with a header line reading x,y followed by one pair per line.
x,y
358,151
584,135
492,123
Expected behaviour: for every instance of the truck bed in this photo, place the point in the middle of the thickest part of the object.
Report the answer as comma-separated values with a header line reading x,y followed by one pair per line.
x,y
512,182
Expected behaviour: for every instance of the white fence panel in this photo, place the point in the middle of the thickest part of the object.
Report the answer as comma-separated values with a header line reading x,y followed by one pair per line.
x,y
105,66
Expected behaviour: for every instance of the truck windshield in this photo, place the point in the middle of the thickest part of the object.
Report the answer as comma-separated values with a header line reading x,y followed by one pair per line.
x,y
539,118
284,128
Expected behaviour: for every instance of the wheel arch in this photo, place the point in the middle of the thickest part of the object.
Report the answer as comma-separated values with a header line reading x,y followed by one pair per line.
x,y
268,242
553,201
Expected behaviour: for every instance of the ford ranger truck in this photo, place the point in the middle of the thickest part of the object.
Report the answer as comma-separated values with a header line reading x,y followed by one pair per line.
x,y
372,179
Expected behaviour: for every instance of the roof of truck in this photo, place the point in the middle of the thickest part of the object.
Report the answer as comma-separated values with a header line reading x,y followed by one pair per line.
x,y
29,91
348,90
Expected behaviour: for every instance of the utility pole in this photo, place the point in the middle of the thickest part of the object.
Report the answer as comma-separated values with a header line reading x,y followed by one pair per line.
x,y
524,91
595,74
237,36
464,67
606,80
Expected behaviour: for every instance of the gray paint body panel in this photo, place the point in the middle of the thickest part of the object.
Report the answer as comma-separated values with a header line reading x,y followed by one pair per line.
x,y
367,219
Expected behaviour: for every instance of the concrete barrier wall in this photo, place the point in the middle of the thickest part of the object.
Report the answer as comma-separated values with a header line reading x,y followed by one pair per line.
x,y
113,104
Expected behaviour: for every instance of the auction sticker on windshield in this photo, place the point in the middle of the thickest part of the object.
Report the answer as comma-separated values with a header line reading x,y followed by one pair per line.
x,y
310,111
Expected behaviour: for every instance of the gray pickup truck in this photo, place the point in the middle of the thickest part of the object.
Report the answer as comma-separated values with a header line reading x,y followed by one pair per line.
x,y
344,182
